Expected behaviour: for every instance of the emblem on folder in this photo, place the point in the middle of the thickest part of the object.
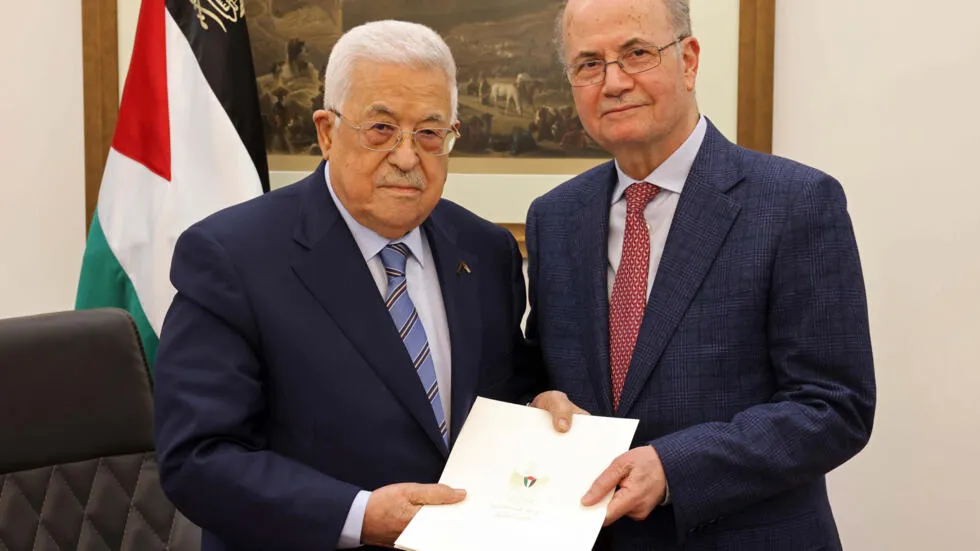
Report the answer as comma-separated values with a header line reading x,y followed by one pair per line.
x,y
524,480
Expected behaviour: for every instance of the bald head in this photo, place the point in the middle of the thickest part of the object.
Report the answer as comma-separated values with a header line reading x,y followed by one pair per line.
x,y
677,13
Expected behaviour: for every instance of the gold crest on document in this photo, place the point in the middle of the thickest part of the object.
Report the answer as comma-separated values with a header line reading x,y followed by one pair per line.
x,y
219,11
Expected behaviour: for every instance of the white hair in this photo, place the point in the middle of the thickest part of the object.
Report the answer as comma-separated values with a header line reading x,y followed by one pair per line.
x,y
680,16
389,41
678,11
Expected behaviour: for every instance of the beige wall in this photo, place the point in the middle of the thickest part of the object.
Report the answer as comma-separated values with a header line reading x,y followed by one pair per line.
x,y
885,95
127,15
42,210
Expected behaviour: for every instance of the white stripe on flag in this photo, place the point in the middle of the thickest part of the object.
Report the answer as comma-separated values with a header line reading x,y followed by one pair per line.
x,y
141,214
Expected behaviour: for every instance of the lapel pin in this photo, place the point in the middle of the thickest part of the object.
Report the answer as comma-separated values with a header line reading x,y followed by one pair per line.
x,y
462,267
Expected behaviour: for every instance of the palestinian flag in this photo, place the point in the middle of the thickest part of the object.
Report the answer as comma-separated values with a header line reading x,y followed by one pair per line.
x,y
188,142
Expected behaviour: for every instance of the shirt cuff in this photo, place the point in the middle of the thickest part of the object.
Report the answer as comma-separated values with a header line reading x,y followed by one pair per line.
x,y
350,536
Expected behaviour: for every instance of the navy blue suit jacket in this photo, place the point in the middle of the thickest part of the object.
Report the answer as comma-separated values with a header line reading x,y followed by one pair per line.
x,y
752,375
281,385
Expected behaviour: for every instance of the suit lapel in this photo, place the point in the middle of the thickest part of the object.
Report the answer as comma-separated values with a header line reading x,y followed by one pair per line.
x,y
703,218
334,271
460,290
591,250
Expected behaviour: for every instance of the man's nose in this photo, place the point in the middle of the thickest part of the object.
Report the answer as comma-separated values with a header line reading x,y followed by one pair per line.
x,y
404,155
617,81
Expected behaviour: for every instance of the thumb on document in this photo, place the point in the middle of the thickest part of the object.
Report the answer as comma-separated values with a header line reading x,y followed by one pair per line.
x,y
436,494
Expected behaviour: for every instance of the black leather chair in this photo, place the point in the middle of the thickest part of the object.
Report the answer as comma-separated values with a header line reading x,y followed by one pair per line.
x,y
77,464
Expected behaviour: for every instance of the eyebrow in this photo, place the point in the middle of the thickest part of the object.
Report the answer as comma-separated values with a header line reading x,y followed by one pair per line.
x,y
434,117
381,109
628,44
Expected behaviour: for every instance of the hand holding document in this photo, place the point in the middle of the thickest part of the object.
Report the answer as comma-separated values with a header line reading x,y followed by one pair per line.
x,y
524,482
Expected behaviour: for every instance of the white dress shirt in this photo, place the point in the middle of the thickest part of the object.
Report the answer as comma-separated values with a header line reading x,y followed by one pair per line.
x,y
659,213
426,294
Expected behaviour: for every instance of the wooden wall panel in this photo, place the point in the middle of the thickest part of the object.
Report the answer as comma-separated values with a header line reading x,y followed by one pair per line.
x,y
101,91
757,25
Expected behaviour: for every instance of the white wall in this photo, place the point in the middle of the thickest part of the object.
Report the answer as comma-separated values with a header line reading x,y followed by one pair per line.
x,y
42,212
127,15
885,95
715,24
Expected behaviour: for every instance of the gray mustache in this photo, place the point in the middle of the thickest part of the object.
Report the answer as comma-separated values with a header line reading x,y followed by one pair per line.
x,y
412,179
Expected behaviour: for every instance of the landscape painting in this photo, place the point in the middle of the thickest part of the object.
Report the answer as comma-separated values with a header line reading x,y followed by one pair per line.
x,y
514,100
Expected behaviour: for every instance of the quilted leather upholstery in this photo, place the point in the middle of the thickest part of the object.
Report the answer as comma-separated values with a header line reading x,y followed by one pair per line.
x,y
98,504
77,466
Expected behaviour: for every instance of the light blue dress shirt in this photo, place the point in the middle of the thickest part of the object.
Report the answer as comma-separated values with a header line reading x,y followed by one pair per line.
x,y
426,294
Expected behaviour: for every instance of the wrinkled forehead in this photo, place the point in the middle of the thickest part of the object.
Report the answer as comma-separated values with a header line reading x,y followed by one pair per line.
x,y
398,91
591,25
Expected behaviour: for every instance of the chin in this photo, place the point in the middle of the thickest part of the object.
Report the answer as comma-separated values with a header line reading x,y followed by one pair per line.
x,y
405,220
609,140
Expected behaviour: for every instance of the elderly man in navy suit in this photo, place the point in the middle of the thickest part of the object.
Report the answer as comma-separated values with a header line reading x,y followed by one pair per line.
x,y
712,292
327,340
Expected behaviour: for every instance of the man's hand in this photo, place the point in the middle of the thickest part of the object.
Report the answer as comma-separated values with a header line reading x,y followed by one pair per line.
x,y
560,407
642,485
390,508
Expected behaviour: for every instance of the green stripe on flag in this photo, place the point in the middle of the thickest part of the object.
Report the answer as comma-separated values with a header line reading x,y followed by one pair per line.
x,y
104,283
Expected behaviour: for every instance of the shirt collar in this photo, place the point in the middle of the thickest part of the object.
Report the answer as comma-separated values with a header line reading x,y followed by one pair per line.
x,y
673,172
369,242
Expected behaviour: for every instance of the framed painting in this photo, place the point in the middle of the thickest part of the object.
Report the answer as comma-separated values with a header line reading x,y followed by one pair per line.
x,y
520,133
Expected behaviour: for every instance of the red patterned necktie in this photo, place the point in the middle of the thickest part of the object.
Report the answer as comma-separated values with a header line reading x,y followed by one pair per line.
x,y
629,294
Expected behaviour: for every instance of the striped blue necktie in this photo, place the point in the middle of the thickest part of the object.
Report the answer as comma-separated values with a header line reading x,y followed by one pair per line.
x,y
409,326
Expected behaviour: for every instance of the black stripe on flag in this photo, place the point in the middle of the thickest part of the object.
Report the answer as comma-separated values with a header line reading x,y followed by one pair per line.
x,y
219,39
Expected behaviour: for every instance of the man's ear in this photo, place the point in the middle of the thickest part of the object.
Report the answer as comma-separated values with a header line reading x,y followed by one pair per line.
x,y
324,121
692,62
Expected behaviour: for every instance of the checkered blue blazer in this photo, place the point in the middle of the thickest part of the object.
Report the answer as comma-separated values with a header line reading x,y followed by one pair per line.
x,y
752,375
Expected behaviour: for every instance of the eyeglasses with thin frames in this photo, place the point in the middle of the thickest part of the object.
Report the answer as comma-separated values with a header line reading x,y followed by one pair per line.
x,y
386,137
636,60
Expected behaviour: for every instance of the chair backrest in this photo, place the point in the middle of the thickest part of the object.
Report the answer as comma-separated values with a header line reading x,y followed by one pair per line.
x,y
77,464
